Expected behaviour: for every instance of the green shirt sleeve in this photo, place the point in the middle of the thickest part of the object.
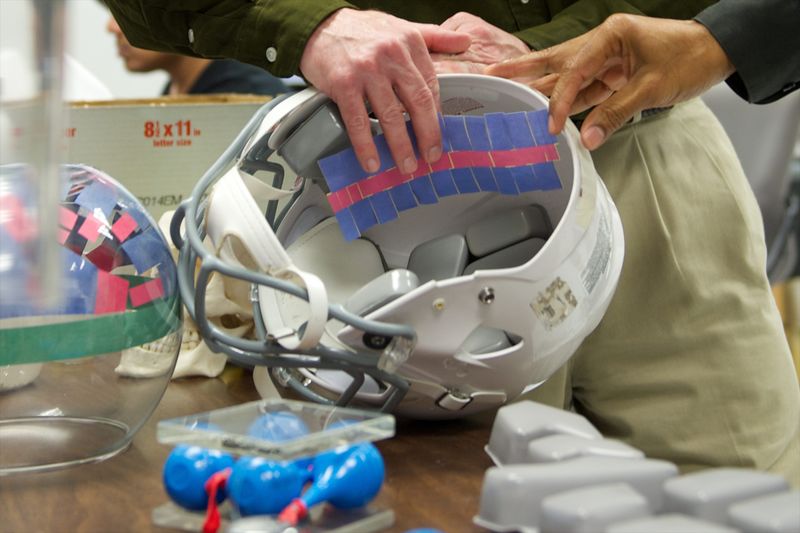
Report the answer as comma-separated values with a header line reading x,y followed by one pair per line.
x,y
270,34
579,17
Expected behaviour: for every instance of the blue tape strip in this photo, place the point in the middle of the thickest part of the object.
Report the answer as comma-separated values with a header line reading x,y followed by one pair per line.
x,y
341,170
363,215
498,135
459,140
538,123
347,225
524,179
98,195
547,176
383,207
506,184
518,130
478,136
456,133
465,182
146,250
486,180
79,284
443,179
78,288
142,219
479,140
499,140
403,197
423,190
521,137
351,168
14,297
332,170
443,184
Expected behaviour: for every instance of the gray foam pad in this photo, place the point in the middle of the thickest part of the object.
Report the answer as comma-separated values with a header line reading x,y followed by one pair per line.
x,y
506,228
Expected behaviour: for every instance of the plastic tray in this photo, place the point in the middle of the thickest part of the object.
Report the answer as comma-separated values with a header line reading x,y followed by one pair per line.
x,y
241,429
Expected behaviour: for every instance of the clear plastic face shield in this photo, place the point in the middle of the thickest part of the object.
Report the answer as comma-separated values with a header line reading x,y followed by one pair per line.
x,y
434,295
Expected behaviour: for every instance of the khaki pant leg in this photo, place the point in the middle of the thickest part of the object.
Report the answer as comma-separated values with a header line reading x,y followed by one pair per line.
x,y
690,363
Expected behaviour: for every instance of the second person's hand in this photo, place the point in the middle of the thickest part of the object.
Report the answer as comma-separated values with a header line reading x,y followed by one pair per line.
x,y
627,64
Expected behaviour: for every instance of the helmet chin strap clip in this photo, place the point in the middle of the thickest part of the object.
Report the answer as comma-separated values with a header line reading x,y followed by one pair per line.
x,y
247,238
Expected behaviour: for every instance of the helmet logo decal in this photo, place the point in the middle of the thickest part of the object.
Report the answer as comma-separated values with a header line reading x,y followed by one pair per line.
x,y
509,153
555,304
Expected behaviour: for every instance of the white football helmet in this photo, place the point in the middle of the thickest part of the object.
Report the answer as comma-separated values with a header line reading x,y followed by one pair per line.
x,y
434,295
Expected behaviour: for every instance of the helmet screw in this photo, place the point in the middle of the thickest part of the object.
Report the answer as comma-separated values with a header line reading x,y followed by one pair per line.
x,y
376,342
486,296
438,304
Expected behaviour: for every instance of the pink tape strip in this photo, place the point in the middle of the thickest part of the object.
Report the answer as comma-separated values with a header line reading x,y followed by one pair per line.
x,y
124,226
62,235
90,228
146,292
520,156
551,152
66,217
112,293
344,198
423,169
337,200
461,159
354,192
15,220
381,182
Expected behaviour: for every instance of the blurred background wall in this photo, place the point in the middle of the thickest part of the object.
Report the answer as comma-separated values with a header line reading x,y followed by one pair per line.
x,y
88,42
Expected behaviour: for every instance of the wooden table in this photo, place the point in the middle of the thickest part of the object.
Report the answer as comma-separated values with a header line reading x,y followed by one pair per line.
x,y
434,472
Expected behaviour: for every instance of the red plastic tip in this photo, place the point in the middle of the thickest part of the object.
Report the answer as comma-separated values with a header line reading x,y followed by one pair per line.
x,y
293,513
215,483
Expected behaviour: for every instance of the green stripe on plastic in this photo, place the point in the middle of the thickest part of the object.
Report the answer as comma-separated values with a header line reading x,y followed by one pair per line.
x,y
97,335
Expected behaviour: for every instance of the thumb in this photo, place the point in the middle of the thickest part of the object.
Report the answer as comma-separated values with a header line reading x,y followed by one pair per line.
x,y
444,41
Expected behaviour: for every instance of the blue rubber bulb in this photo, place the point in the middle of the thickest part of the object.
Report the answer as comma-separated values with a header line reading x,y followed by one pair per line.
x,y
347,477
186,471
259,486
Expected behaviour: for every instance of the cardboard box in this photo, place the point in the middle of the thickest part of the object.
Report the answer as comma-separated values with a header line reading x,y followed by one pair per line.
x,y
157,148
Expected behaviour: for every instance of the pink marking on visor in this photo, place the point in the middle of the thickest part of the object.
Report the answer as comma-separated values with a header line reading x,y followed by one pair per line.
x,y
146,292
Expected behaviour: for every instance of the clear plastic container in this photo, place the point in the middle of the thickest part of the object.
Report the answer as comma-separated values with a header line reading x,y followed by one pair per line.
x,y
89,313
82,372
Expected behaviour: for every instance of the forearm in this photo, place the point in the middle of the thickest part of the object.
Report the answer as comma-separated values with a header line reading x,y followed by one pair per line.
x,y
585,15
762,41
267,33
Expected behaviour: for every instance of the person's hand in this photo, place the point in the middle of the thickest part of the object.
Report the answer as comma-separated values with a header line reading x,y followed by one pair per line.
x,y
357,56
489,45
627,64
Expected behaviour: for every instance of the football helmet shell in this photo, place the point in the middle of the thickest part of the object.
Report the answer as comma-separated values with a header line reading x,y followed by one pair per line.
x,y
455,304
